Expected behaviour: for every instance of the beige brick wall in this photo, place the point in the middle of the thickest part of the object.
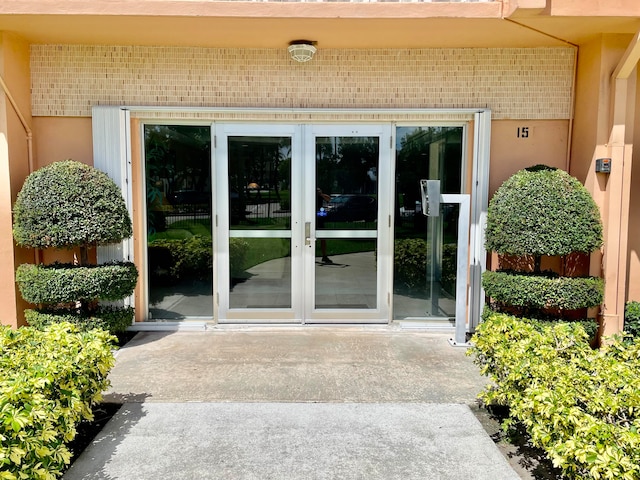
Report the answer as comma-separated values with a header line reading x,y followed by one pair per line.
x,y
515,83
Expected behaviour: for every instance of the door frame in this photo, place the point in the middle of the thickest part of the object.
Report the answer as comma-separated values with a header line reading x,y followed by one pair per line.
x,y
115,150
384,225
222,232
302,256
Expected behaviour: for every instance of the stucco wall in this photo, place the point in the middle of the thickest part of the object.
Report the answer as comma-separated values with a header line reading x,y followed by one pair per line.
x,y
62,138
633,284
14,168
513,148
522,83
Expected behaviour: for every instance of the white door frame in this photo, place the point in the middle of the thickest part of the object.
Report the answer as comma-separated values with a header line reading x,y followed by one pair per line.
x,y
383,234
222,232
302,256
116,149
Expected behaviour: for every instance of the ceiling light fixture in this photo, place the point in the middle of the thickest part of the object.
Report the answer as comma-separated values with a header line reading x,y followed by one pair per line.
x,y
302,50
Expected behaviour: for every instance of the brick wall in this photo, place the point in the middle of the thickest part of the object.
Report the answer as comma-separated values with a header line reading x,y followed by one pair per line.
x,y
516,83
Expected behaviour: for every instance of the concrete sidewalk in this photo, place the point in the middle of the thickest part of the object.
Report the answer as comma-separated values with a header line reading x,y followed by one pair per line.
x,y
295,403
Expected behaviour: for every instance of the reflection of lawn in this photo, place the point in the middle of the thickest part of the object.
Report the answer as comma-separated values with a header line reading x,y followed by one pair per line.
x,y
184,229
340,246
262,249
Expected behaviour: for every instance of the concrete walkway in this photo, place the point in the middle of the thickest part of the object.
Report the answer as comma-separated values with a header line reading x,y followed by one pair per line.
x,y
296,403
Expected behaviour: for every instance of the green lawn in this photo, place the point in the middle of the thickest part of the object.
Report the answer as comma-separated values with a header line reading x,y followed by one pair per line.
x,y
262,249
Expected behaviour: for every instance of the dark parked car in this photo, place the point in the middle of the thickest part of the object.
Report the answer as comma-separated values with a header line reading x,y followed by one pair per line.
x,y
350,208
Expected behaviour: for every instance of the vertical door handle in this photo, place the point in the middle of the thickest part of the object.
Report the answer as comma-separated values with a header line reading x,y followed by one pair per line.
x,y
307,233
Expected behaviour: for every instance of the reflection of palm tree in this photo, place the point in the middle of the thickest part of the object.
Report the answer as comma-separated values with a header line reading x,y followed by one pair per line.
x,y
344,163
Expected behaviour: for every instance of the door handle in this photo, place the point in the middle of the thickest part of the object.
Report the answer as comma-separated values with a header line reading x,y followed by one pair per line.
x,y
307,233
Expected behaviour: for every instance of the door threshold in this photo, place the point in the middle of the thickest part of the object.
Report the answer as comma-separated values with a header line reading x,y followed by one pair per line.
x,y
209,326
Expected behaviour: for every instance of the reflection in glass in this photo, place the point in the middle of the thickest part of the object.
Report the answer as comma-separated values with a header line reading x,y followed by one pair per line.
x,y
260,272
425,248
347,182
349,280
178,200
259,183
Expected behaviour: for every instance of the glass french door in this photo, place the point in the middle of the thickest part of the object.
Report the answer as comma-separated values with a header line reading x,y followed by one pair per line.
x,y
346,251
299,210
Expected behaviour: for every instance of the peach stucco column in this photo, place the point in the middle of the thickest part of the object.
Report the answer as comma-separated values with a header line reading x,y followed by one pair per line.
x,y
604,127
7,263
620,150
15,115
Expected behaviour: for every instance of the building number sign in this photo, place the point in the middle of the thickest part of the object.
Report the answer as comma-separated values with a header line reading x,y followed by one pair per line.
x,y
523,132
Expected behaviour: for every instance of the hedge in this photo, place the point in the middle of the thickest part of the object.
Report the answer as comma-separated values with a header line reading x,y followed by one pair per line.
x,y
69,204
112,319
543,211
543,291
581,406
632,319
48,382
62,283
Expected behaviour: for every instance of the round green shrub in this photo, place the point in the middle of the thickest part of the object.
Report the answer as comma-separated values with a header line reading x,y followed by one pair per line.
x,y
238,249
62,283
68,204
632,319
542,291
543,211
112,319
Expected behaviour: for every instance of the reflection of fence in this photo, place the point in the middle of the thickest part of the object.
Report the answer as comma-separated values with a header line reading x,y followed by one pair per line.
x,y
263,213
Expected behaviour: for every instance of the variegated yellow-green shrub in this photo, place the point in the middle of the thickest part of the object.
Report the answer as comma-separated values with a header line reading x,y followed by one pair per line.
x,y
581,406
49,381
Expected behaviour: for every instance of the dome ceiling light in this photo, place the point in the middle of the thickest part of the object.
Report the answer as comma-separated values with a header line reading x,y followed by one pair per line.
x,y
302,50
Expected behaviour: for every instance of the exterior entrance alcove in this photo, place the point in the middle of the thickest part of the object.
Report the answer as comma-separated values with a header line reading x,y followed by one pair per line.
x,y
301,222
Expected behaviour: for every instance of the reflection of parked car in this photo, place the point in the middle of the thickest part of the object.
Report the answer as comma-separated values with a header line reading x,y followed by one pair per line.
x,y
349,208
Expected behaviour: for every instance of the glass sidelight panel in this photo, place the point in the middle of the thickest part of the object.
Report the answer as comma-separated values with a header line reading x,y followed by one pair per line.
x,y
179,239
426,247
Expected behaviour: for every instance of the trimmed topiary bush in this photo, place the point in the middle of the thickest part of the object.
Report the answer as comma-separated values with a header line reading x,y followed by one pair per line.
x,y
543,292
542,211
63,283
112,319
70,205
